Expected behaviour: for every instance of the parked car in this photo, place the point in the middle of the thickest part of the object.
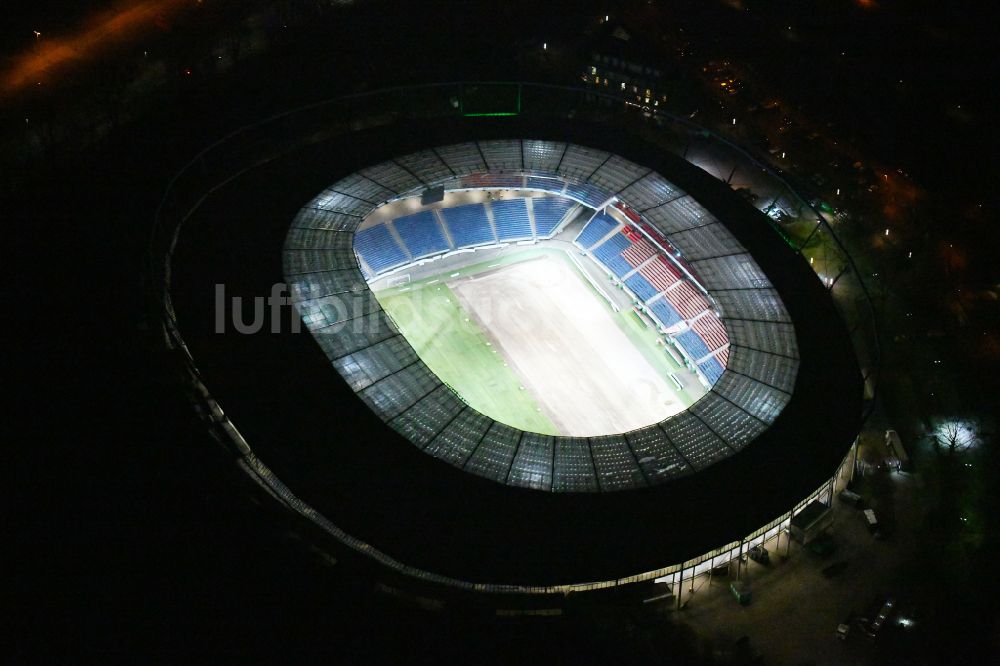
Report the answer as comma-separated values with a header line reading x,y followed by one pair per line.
x,y
844,628
871,520
759,555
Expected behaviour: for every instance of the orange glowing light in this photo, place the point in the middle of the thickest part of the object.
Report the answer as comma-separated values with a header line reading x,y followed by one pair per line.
x,y
93,36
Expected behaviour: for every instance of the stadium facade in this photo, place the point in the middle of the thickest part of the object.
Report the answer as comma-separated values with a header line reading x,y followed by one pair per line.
x,y
326,256
776,430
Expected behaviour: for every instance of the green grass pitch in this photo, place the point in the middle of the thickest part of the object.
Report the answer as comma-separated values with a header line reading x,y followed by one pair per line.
x,y
459,352
456,348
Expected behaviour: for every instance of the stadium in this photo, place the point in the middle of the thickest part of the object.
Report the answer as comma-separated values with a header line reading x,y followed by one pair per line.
x,y
543,350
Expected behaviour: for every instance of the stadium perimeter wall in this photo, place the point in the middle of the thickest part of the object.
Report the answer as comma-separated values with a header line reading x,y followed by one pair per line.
x,y
624,538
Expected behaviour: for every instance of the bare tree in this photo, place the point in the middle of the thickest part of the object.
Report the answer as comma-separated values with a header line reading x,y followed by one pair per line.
x,y
956,436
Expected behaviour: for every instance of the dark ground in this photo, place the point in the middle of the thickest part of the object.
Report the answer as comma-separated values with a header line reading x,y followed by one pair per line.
x,y
132,535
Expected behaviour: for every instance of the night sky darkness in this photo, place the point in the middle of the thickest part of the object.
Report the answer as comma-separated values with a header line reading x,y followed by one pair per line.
x,y
114,563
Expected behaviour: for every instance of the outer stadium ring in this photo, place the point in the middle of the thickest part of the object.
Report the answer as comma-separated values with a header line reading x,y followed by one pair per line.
x,y
773,432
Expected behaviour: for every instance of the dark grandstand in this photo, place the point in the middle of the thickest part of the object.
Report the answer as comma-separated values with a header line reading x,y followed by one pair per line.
x,y
372,490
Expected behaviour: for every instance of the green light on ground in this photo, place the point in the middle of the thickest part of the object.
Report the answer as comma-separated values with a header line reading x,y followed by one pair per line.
x,y
487,96
781,232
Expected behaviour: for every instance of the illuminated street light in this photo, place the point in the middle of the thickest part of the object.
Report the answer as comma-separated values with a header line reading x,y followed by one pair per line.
x,y
887,232
545,46
734,121
37,34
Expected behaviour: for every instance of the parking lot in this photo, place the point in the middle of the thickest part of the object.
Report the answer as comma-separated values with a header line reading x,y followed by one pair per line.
x,y
795,610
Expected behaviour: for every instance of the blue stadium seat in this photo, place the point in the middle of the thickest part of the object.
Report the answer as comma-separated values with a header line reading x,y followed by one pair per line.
x,y
693,344
378,248
420,234
640,287
665,312
549,211
596,229
511,219
712,370
609,253
468,225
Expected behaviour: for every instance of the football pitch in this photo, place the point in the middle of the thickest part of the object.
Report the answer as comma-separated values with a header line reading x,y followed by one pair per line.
x,y
526,340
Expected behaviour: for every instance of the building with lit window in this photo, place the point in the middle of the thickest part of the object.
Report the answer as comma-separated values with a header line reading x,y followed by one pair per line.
x,y
620,63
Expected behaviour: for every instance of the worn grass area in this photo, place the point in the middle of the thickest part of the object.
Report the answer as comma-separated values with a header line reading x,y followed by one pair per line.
x,y
460,353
